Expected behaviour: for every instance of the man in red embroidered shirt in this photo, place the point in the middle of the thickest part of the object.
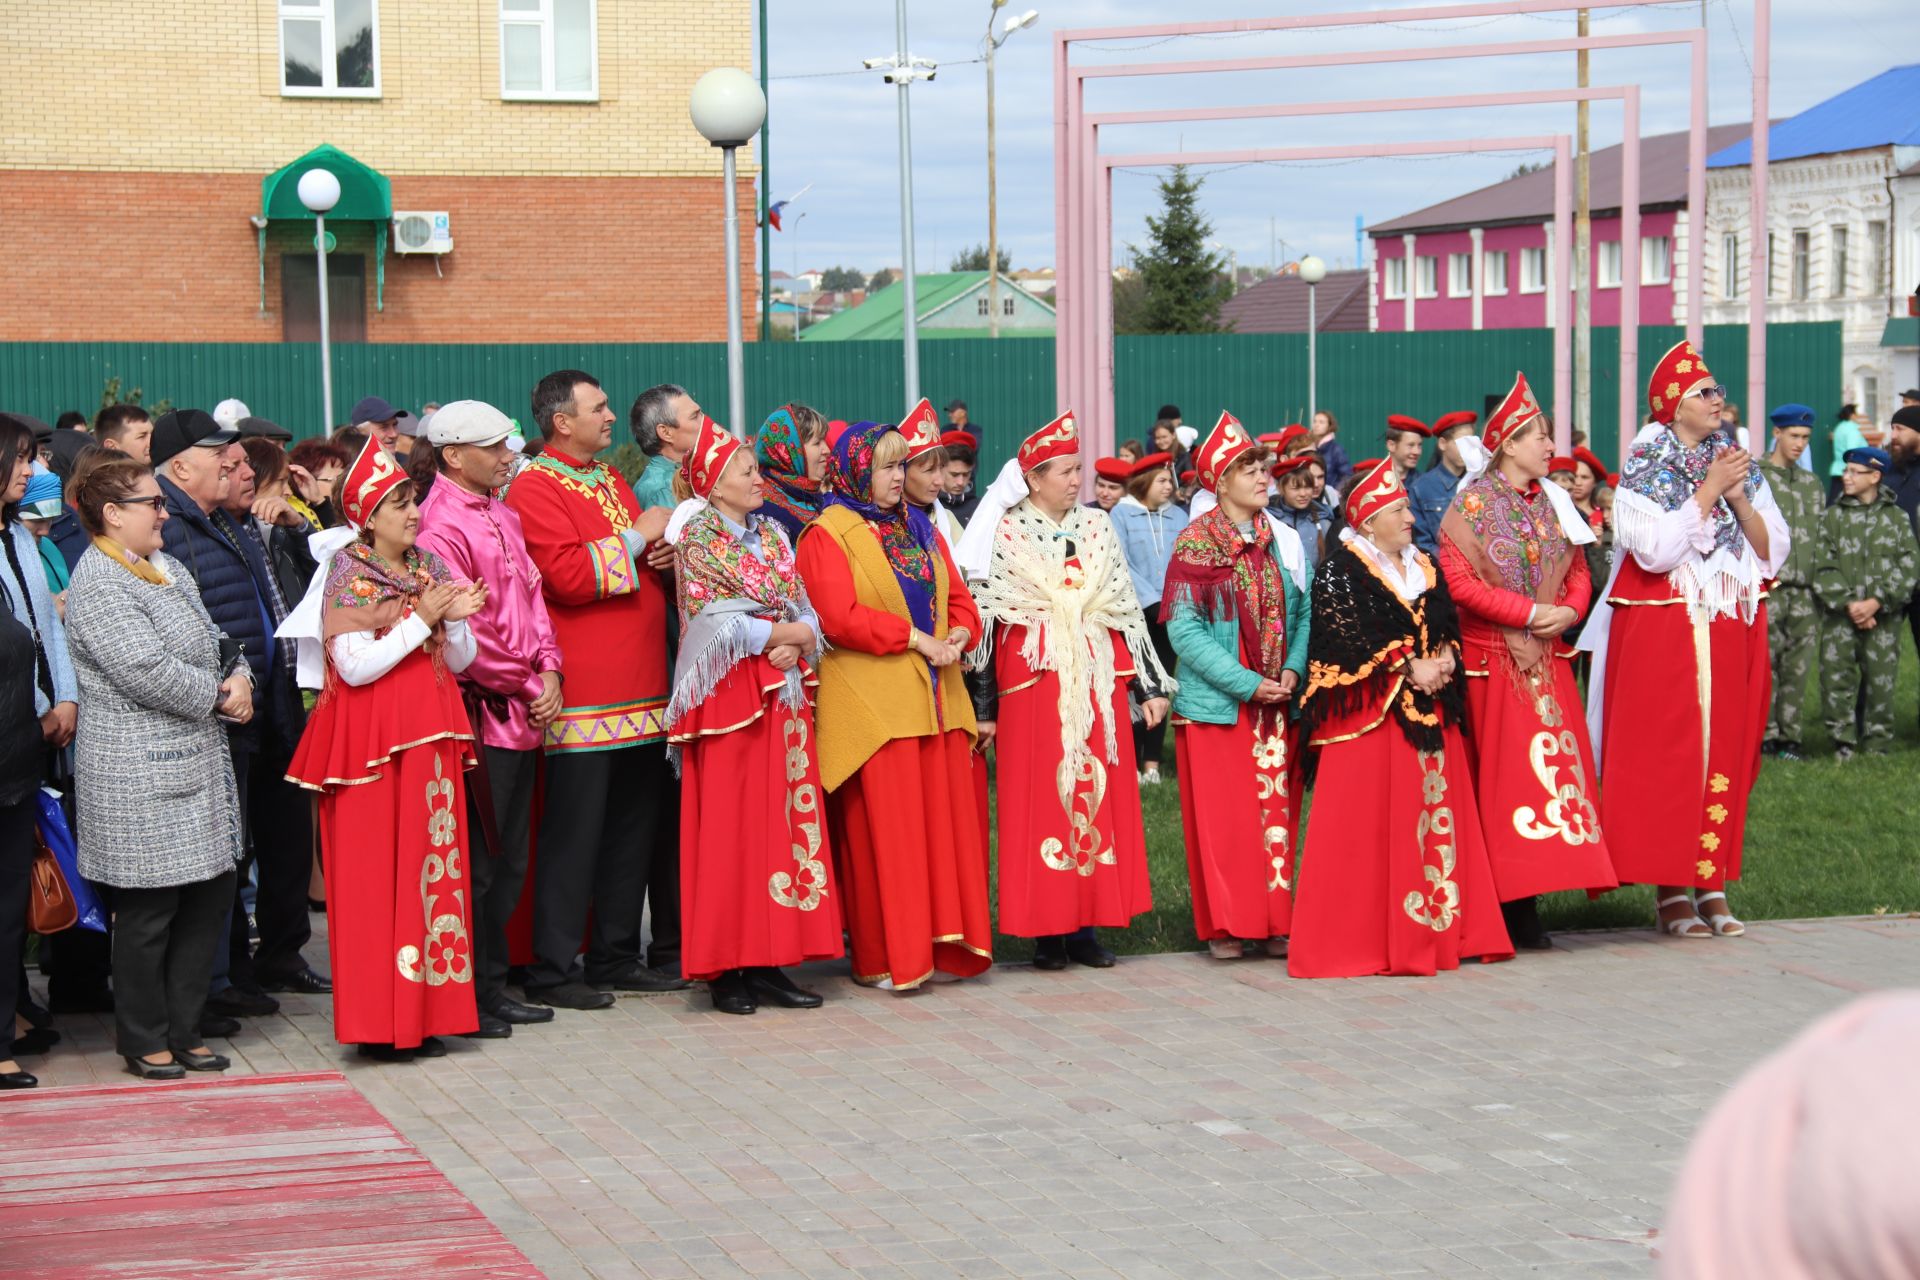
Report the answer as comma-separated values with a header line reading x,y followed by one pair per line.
x,y
606,749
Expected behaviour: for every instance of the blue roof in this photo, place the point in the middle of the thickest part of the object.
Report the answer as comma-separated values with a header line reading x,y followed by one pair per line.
x,y
1884,111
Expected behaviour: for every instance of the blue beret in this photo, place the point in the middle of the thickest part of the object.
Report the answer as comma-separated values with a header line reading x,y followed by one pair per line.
x,y
1868,456
1791,415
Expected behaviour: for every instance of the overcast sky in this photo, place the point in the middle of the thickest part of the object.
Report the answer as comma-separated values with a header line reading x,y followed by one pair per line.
x,y
839,131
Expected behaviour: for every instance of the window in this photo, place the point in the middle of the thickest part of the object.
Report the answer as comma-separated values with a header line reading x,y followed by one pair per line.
x,y
1729,266
1837,278
1876,282
1533,271
548,50
1656,260
1426,276
1493,273
980,305
1801,283
1006,306
300,297
329,48
1771,270
1459,275
1393,280
1608,265
1870,396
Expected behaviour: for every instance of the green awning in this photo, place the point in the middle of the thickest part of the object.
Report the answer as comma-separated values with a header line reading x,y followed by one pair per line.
x,y
1901,331
365,196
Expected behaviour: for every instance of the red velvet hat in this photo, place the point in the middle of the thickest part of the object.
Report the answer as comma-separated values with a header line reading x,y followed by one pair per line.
x,y
1151,462
1228,441
1288,434
1559,464
921,427
1114,469
1288,465
1271,439
1516,411
1058,439
1364,463
373,475
960,440
1592,459
1458,418
712,450
1401,422
1679,371
1379,488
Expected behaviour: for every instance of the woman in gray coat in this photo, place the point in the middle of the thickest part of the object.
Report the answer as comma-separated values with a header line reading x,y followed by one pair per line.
x,y
159,816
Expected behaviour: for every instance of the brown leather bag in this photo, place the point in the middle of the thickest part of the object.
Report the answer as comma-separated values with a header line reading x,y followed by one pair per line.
x,y
50,904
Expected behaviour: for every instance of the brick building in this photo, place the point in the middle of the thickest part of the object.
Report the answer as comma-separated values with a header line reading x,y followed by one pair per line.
x,y
580,202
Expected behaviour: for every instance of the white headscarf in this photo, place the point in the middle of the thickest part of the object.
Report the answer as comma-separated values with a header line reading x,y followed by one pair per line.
x,y
305,626
974,555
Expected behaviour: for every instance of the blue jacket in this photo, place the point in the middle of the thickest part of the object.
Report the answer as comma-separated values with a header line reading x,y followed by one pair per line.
x,y
67,534
1333,456
1309,524
1213,684
32,604
1146,538
1431,493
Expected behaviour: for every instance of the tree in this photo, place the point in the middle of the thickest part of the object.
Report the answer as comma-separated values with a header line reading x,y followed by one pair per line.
x,y
881,279
975,259
1526,167
842,279
1182,283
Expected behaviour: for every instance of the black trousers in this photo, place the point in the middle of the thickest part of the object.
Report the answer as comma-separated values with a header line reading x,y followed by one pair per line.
x,y
598,832
164,941
1149,744
16,869
498,878
663,877
279,824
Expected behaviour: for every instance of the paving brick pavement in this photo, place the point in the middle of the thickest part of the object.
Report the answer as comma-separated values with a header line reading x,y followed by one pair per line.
x,y
1173,1117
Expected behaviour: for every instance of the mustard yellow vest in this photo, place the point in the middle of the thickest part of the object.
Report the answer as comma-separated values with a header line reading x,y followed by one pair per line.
x,y
866,700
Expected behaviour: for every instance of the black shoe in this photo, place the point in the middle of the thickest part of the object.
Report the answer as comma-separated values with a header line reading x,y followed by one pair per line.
x,y
19,1080
36,1041
306,982
155,1070
1769,747
731,994
94,1000
491,1028
208,1061
317,905
235,1002
386,1053
1090,953
430,1047
641,978
1524,929
514,1013
1050,953
218,1026
571,995
775,987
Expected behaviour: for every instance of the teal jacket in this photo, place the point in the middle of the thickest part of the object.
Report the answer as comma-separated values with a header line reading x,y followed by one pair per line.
x,y
1213,684
655,486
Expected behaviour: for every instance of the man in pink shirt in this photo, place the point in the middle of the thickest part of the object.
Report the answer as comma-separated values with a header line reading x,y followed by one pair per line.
x,y
512,689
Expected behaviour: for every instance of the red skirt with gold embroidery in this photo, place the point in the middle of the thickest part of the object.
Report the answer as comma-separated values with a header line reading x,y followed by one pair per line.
x,y
754,886
1394,877
1533,776
1239,800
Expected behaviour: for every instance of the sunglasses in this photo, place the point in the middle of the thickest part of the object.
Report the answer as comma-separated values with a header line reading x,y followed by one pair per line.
x,y
1712,392
158,502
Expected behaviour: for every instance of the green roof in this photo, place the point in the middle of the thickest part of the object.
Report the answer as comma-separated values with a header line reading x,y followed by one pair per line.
x,y
365,193
879,316
1901,331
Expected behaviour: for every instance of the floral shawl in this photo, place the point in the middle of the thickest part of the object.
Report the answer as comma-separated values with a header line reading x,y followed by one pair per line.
x,y
906,535
1666,472
791,498
721,584
366,592
1220,573
1515,544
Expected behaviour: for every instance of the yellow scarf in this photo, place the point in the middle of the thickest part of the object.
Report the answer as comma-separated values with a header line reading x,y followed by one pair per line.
x,y
133,564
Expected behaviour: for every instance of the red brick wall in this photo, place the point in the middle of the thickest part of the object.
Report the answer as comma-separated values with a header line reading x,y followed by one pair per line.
x,y
150,257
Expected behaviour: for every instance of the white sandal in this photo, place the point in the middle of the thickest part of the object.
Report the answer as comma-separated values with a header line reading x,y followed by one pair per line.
x,y
1683,927
1226,948
1722,923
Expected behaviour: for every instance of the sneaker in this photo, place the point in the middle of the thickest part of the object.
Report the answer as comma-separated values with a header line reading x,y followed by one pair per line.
x,y
1149,777
1842,754
1788,751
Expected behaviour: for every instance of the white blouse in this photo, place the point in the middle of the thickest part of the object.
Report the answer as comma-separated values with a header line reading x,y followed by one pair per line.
x,y
361,658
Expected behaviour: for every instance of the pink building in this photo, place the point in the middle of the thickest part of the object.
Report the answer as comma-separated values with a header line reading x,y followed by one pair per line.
x,y
1484,260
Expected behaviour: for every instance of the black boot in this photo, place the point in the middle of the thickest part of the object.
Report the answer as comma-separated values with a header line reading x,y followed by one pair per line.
x,y
1050,952
1523,925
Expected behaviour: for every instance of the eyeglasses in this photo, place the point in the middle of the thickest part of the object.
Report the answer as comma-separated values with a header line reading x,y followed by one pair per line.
x,y
1712,392
1862,473
158,502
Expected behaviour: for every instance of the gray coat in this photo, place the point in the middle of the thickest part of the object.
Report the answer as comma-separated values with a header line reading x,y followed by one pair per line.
x,y
153,775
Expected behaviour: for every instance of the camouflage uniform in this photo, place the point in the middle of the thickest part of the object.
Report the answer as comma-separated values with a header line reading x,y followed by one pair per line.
x,y
1793,619
1867,550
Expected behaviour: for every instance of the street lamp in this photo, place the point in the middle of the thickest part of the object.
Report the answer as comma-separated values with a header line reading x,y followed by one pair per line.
x,y
1014,23
319,191
1313,271
902,70
728,109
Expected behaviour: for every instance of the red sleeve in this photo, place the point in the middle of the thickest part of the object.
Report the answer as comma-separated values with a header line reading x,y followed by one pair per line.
x,y
961,610
573,570
1472,594
1576,589
844,621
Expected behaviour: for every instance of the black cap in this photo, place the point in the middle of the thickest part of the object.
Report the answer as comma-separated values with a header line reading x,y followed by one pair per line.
x,y
1912,393
179,430
955,403
1168,413
42,433
1908,416
374,409
264,427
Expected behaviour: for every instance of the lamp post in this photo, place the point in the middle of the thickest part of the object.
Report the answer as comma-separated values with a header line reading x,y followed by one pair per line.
x,y
319,191
1313,271
902,70
728,109
993,209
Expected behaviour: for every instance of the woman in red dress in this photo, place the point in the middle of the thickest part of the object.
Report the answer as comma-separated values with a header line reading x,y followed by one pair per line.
x,y
1511,553
896,724
1238,620
387,747
1067,641
754,892
1397,881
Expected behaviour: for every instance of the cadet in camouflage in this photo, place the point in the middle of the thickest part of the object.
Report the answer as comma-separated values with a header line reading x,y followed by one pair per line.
x,y
1868,566
1793,619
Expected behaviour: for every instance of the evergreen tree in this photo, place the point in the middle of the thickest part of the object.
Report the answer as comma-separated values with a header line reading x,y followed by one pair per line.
x,y
975,259
1182,283
881,279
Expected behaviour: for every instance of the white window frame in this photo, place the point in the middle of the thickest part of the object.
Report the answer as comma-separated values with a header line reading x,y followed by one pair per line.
x,y
543,19
1529,281
1800,265
1839,246
1730,265
322,11
1656,260
1606,265
1426,276
1459,275
1493,283
1393,278
1879,245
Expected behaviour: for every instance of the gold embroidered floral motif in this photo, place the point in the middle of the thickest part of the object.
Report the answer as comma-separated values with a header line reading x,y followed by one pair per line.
x,y
1569,814
1683,366
1673,391
449,952
1274,796
1436,906
1718,783
1705,869
805,886
1710,842
1718,812
1089,788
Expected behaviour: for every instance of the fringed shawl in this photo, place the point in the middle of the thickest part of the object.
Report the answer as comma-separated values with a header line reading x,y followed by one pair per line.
x,y
1222,574
1515,542
1661,474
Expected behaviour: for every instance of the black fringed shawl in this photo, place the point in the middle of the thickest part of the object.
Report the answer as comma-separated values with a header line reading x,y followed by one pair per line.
x,y
1361,631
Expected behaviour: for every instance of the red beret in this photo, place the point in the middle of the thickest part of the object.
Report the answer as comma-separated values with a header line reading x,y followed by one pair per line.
x,y
1272,438
1401,422
1458,418
1288,434
960,440
1599,468
1114,469
1367,463
1151,462
1187,476
1559,464
1295,463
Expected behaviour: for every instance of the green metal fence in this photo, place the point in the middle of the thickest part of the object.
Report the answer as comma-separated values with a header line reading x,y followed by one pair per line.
x,y
1007,385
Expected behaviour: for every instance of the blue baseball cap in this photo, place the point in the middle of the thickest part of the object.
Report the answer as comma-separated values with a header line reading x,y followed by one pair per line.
x,y
1791,415
1868,456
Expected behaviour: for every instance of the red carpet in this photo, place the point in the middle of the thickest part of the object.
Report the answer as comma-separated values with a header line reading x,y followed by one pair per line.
x,y
285,1177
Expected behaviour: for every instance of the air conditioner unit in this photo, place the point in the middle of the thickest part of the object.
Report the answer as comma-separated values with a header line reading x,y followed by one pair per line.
x,y
418,232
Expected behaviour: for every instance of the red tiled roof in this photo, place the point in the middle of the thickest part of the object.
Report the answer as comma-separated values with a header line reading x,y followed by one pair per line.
x,y
1279,305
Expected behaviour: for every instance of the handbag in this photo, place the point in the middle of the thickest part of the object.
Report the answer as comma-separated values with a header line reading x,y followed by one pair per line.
x,y
54,838
50,904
